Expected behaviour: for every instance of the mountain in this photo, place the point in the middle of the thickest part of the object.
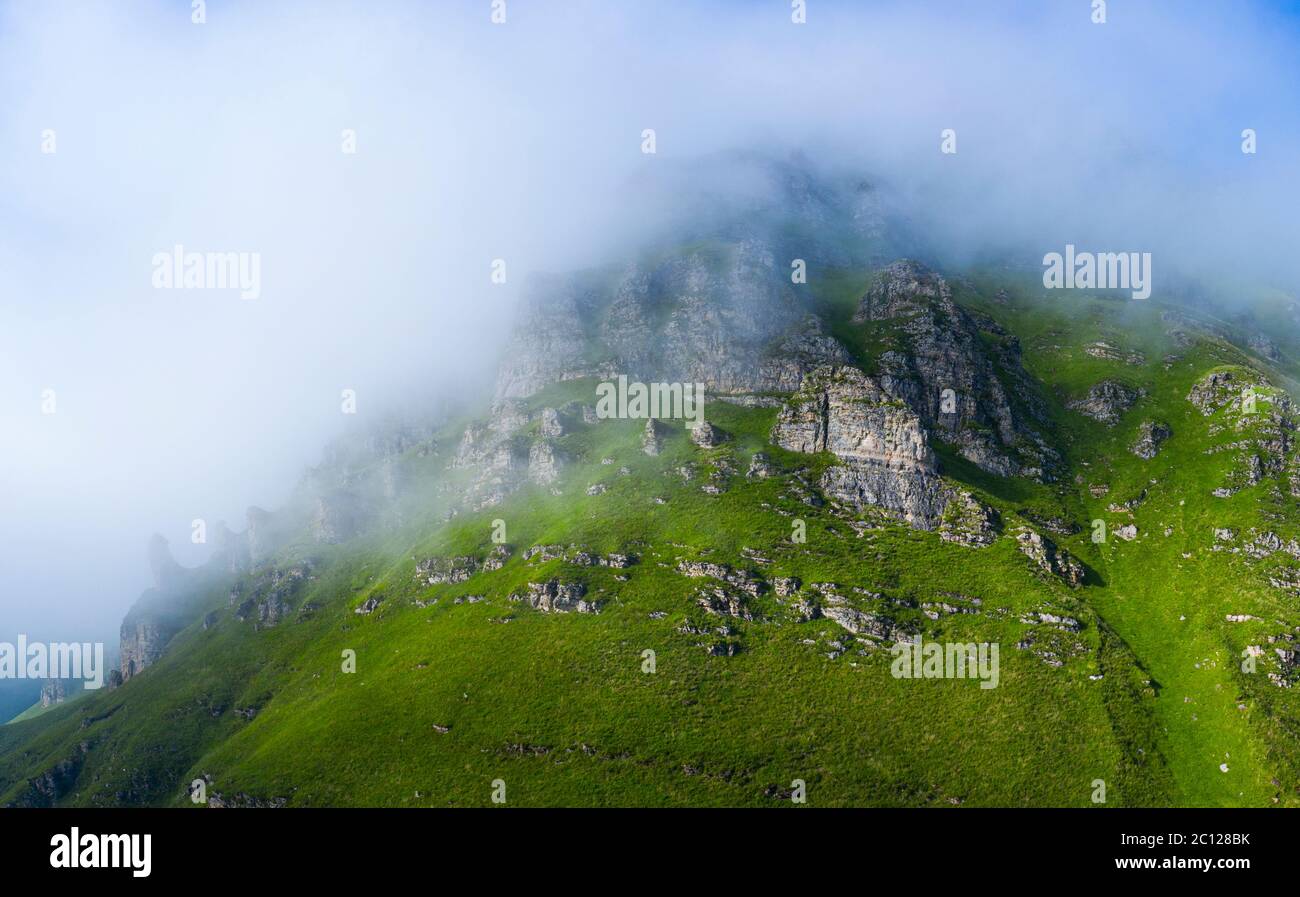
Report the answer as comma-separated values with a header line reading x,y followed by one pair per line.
x,y
608,611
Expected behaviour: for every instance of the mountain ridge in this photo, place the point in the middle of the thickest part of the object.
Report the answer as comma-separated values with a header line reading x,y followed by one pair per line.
x,y
967,516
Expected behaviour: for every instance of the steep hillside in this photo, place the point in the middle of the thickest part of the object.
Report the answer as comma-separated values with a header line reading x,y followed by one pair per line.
x,y
604,611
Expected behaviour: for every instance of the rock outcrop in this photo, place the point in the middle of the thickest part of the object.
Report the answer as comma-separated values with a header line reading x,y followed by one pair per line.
x,y
1261,430
52,692
652,439
706,435
544,462
726,317
1151,435
1049,558
967,521
555,596
336,517
267,532
885,455
1106,401
551,425
946,368
550,338
761,466
142,642
161,611
230,549
269,597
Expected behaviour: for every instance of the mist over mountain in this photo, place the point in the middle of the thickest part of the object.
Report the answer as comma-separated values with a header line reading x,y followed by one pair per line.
x,y
327,332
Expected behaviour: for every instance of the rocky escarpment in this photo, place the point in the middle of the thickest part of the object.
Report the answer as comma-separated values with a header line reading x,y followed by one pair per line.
x,y
337,516
1257,427
179,594
728,313
152,622
948,365
166,573
885,455
504,457
550,339
726,316
142,643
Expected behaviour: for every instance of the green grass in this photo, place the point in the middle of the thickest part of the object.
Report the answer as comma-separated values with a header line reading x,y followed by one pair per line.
x,y
559,708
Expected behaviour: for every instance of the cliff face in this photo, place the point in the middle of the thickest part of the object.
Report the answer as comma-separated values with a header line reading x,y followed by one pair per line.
x,y
727,316
886,459
52,692
947,370
142,643
730,317
163,610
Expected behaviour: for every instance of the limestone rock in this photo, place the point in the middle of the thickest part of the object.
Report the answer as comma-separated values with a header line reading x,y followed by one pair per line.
x,y
337,517
886,459
761,466
555,596
706,435
142,643
445,571
968,521
551,426
544,462
1049,558
1216,390
1107,352
166,572
1106,401
949,368
1151,435
652,438
52,692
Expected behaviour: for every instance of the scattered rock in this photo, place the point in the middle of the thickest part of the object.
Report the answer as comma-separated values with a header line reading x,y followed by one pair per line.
x,y
1049,558
1151,434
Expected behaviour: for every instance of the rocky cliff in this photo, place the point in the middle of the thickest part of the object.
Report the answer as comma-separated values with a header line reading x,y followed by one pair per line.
x,y
950,366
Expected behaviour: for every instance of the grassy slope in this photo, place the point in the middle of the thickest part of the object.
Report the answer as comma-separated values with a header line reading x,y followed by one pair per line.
x,y
558,705
1171,609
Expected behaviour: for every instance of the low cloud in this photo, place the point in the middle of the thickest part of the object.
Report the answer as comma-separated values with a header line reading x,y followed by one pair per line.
x,y
520,142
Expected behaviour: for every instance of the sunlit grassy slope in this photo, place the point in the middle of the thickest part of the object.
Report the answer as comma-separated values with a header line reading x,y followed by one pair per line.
x,y
560,708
